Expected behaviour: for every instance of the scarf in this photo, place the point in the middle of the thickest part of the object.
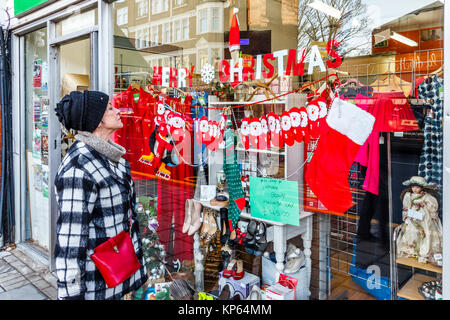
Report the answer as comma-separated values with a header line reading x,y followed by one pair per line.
x,y
108,148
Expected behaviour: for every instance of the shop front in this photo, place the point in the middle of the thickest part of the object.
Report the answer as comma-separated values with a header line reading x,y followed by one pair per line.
x,y
280,150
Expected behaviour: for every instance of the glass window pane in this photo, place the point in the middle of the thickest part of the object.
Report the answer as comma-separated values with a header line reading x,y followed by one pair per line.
x,y
381,59
79,21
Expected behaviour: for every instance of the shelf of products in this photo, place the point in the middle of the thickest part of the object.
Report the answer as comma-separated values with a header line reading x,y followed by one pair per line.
x,y
409,290
411,262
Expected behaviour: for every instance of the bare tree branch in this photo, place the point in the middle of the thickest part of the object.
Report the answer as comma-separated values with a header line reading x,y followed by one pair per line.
x,y
317,26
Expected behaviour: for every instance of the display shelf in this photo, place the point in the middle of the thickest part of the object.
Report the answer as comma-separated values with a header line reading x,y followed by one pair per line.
x,y
409,290
416,264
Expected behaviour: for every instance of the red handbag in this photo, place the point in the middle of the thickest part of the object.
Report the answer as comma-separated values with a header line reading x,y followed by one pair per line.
x,y
116,259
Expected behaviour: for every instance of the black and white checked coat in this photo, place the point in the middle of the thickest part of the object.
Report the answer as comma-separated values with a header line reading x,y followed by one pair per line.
x,y
94,195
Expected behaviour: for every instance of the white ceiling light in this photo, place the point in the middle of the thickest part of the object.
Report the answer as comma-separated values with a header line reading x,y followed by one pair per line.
x,y
403,39
319,5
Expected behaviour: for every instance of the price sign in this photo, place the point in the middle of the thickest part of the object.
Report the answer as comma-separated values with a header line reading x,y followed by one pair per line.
x,y
274,200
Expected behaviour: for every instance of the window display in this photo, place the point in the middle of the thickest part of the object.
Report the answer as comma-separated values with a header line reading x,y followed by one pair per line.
x,y
249,126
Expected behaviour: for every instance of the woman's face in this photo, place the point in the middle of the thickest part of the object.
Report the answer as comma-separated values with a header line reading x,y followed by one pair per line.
x,y
111,119
416,189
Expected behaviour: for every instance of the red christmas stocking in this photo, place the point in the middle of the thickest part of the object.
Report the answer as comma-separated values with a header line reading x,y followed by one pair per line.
x,y
327,173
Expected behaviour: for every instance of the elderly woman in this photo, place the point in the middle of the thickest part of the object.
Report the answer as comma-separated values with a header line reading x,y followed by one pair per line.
x,y
95,196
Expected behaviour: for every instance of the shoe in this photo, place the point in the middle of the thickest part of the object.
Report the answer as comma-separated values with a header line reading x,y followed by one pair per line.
x,y
229,270
290,250
195,218
188,208
225,293
261,239
239,271
294,264
213,230
250,241
225,235
255,293
232,239
226,253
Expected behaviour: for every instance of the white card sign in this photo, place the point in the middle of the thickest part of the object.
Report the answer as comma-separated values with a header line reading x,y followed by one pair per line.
x,y
418,215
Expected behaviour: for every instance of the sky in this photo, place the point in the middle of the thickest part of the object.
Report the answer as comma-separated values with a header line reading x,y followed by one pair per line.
x,y
383,11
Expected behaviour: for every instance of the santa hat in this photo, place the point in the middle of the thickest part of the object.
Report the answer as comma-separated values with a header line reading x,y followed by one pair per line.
x,y
234,37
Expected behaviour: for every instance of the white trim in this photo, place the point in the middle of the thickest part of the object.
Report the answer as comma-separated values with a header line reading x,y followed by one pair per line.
x,y
350,120
57,10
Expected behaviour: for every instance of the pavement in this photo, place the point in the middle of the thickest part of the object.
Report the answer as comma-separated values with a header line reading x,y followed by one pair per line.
x,y
25,278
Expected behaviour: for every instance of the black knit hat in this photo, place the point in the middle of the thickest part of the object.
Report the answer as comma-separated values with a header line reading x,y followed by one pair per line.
x,y
82,110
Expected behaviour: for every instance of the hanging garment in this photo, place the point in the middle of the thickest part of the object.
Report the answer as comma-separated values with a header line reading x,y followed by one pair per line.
x,y
392,112
368,155
327,173
233,177
172,196
431,159
376,205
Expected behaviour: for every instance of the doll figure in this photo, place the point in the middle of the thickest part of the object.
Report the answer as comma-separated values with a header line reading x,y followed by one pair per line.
x,y
420,233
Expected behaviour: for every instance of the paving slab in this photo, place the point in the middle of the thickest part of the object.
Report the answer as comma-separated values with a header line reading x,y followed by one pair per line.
x,y
27,292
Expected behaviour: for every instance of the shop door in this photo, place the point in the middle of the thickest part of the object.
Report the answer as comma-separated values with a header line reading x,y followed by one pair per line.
x,y
74,67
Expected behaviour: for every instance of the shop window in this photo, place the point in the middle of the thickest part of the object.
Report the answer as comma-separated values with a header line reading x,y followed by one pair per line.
x,y
188,77
76,22
37,110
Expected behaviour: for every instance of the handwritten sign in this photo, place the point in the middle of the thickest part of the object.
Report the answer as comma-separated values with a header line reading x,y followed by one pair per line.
x,y
274,200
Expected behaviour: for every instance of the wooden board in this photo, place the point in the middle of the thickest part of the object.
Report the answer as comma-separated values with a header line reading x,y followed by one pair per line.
x,y
416,264
409,290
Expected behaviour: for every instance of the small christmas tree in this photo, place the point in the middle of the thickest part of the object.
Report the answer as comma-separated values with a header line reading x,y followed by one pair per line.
x,y
153,250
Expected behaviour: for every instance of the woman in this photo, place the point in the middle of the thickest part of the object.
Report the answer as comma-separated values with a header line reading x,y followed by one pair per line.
x,y
95,196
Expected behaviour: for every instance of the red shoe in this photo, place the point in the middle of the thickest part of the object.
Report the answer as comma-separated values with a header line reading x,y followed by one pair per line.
x,y
230,269
238,273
